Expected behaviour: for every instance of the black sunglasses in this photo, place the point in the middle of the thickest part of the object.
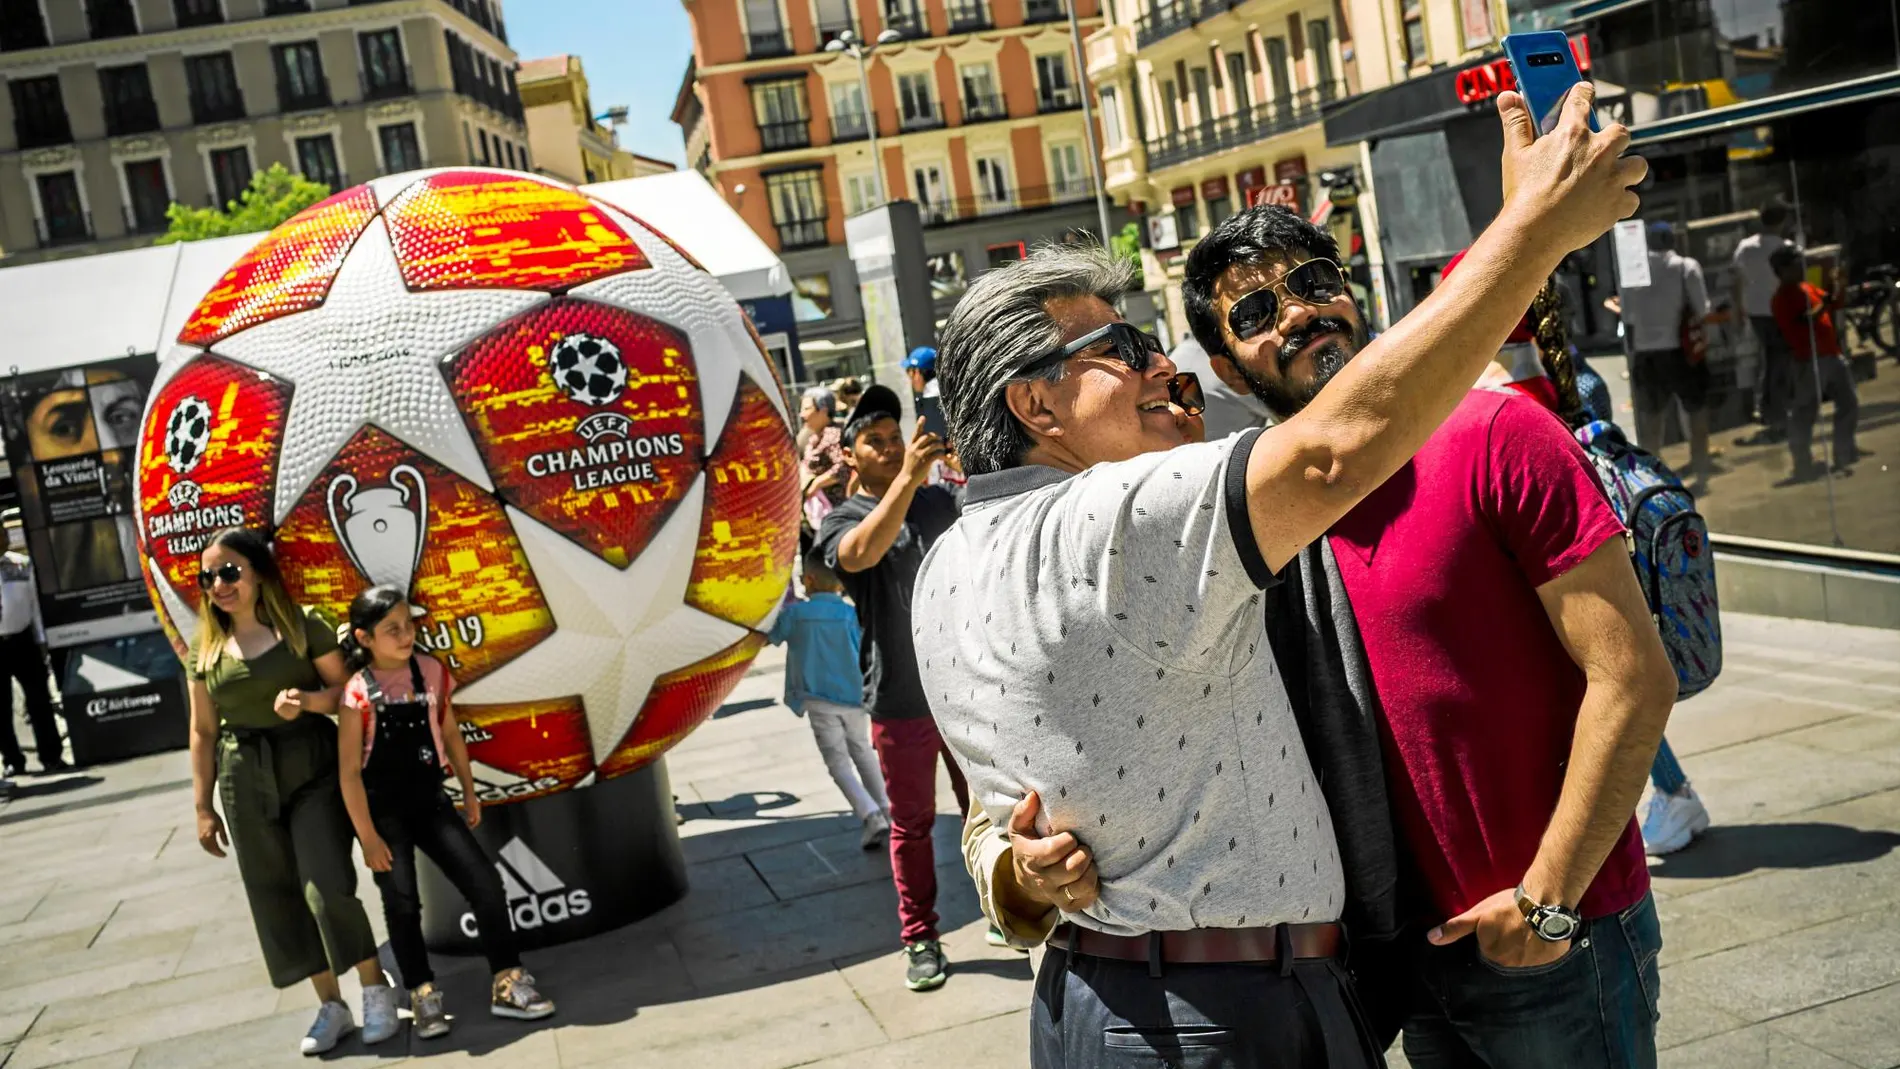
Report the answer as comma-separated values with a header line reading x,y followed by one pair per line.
x,y
1135,347
1184,392
1315,282
228,574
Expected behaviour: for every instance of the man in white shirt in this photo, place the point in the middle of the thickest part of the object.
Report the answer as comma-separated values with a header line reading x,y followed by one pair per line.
x,y
1660,368
23,658
1755,285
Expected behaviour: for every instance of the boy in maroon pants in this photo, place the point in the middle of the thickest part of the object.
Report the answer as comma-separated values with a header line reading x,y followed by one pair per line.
x,y
876,540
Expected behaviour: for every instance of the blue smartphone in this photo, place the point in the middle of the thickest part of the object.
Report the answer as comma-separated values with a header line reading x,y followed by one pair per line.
x,y
1545,69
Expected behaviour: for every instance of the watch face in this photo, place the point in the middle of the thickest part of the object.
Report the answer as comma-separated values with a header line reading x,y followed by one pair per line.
x,y
1556,927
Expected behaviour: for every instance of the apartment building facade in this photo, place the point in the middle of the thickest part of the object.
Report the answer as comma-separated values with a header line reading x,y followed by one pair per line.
x,y
976,108
567,135
1209,106
114,109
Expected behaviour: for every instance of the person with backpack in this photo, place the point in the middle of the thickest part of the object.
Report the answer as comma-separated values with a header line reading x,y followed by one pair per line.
x,y
1520,684
1665,321
397,740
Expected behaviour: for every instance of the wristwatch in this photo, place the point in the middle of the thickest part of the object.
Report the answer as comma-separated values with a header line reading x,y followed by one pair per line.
x,y
1553,924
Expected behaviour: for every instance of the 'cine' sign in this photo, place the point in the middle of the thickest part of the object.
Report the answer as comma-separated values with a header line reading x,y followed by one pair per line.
x,y
1481,83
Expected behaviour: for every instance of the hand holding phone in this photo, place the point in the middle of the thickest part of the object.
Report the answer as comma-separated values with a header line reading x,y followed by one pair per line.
x,y
1545,69
930,417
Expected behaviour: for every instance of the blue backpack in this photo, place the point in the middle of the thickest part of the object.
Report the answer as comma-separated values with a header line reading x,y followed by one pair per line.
x,y
1669,545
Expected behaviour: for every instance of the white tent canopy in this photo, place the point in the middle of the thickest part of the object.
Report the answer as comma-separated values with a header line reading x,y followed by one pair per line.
x,y
68,312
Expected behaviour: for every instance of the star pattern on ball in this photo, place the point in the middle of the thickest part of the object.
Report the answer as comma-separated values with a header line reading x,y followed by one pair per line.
x,y
617,630
390,342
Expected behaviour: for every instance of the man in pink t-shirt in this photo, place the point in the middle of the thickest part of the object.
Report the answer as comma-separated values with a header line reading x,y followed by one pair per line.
x,y
1523,686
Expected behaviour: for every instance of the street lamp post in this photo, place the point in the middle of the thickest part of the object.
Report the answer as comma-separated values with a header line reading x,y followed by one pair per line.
x,y
849,41
1088,122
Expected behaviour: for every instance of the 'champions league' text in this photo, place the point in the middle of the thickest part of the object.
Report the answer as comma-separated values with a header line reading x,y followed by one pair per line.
x,y
608,463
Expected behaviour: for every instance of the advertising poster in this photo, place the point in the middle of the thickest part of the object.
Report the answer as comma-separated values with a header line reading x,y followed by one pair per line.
x,y
71,436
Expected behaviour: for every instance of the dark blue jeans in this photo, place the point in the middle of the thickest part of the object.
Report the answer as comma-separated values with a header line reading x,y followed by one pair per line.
x,y
1095,1013
1593,1008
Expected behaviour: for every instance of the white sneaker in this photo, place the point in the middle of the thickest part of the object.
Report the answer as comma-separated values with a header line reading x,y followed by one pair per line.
x,y
1673,820
876,827
332,1024
379,1013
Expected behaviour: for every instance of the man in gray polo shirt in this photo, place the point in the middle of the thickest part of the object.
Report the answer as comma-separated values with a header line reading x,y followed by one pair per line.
x,y
1091,628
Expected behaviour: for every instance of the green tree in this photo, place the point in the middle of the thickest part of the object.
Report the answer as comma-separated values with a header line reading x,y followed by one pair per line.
x,y
1127,245
274,195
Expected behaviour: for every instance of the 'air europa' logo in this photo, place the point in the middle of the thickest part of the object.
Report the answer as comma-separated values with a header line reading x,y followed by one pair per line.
x,y
536,896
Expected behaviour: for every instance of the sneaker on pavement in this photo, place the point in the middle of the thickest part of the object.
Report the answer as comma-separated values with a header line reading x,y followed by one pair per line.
x,y
516,997
876,827
1673,820
431,1020
332,1024
379,1013
924,965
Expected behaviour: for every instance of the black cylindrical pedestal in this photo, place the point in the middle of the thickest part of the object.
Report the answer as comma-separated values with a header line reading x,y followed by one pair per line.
x,y
573,864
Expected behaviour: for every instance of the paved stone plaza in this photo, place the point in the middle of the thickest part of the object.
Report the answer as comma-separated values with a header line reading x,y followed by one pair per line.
x,y
123,945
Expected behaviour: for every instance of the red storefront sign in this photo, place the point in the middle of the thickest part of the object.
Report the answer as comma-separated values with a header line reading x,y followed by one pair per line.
x,y
1284,194
1182,196
1250,180
1291,169
1214,189
1479,84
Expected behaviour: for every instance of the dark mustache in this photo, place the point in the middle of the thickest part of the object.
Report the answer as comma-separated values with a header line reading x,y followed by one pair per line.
x,y
1299,338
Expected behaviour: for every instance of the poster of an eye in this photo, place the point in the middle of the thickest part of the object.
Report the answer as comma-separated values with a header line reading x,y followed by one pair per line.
x,y
71,436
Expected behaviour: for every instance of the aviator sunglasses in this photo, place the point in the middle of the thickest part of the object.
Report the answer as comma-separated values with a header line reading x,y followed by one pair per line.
x,y
1315,282
227,574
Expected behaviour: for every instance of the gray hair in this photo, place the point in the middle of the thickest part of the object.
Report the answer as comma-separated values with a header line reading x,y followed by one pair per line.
x,y
1003,323
822,399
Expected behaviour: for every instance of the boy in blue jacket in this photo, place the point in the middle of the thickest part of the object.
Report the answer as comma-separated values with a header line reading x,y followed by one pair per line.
x,y
825,685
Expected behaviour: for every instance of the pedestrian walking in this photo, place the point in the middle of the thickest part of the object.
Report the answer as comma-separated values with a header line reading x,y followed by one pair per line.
x,y
1755,286
824,473
1124,692
875,541
264,683
824,683
397,741
1668,350
1804,313
23,658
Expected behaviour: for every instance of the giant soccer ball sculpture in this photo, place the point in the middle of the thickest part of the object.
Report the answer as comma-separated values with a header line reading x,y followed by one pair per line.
x,y
538,415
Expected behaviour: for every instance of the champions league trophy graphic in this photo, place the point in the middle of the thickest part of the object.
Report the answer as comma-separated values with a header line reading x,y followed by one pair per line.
x,y
379,528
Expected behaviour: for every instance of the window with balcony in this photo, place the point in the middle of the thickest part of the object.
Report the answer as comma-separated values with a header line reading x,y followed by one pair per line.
x,y
316,158
1113,134
148,194
765,34
860,193
1203,96
981,101
1319,38
797,199
211,81
783,115
1044,11
401,150
127,92
967,15
849,119
1171,122
932,193
39,113
1054,90
230,174
1412,36
384,72
906,17
916,104
197,12
1066,176
63,216
300,81
1278,69
22,25
1237,78
992,184
834,18
110,18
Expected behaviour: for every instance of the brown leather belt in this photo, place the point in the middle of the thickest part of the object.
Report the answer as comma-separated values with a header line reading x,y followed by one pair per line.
x,y
1205,946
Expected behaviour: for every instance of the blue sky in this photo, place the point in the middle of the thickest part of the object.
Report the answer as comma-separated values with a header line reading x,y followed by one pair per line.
x,y
634,52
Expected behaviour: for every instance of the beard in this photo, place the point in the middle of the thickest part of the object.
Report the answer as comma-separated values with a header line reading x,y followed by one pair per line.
x,y
1283,395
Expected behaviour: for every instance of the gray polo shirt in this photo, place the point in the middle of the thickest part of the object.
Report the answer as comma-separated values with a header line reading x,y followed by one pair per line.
x,y
1100,638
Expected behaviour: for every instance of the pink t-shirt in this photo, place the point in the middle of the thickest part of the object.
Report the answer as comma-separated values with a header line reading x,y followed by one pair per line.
x,y
397,686
1442,566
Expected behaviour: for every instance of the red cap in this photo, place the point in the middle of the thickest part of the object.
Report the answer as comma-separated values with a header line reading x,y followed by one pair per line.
x,y
1520,333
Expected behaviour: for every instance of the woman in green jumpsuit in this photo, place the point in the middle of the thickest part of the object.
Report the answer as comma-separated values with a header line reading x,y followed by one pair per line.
x,y
264,682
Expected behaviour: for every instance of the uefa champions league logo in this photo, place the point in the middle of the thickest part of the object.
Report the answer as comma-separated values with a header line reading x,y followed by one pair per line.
x,y
381,528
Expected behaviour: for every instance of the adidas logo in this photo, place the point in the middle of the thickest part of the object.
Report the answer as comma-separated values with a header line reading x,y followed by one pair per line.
x,y
496,785
536,896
